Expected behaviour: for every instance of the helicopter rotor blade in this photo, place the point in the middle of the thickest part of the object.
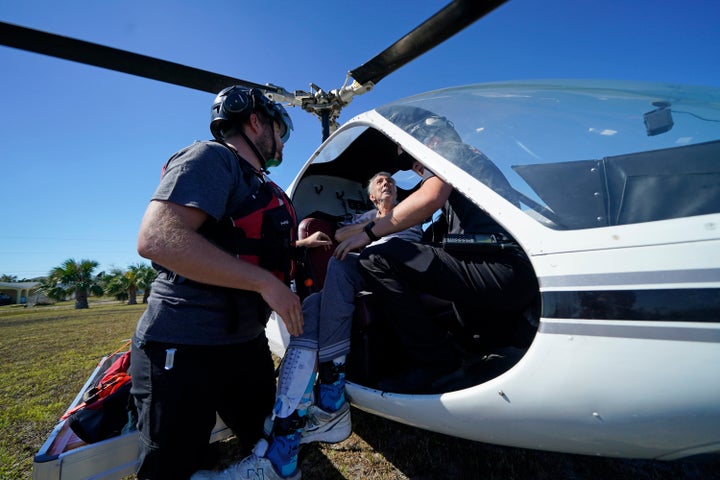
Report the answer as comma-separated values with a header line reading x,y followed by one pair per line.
x,y
326,105
438,28
119,60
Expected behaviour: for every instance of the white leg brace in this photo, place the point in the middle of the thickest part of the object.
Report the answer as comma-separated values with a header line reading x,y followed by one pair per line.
x,y
297,376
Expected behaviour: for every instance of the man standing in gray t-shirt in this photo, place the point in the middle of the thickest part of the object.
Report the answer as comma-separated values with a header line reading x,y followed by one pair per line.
x,y
201,341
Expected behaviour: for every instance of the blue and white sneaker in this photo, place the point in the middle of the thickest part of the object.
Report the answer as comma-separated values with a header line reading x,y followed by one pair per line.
x,y
254,467
326,427
331,396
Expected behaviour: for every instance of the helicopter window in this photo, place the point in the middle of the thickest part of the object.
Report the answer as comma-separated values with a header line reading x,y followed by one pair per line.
x,y
340,143
335,183
578,156
369,152
596,192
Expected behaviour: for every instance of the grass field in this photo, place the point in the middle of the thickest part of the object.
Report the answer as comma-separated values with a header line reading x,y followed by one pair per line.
x,y
47,353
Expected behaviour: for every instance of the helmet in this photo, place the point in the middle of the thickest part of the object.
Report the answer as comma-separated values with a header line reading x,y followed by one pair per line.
x,y
424,125
235,104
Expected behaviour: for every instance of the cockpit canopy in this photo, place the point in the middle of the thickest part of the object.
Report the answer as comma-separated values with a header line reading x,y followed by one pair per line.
x,y
576,154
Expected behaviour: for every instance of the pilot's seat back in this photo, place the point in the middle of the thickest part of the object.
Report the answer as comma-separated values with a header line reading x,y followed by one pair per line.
x,y
316,259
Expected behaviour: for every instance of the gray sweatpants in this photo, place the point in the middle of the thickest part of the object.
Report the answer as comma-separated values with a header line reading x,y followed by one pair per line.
x,y
328,313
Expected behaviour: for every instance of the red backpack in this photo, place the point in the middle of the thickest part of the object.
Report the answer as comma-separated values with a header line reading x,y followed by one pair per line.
x,y
107,407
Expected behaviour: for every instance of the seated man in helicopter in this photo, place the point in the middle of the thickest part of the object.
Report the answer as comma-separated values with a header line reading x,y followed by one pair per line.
x,y
321,348
495,285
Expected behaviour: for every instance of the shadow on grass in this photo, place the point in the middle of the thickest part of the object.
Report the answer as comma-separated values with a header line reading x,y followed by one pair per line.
x,y
312,461
387,450
424,455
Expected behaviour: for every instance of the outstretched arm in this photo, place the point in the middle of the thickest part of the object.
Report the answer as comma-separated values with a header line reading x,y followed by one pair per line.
x,y
348,231
417,207
317,239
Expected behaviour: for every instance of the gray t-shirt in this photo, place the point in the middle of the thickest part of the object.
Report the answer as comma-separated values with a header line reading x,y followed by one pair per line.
x,y
208,176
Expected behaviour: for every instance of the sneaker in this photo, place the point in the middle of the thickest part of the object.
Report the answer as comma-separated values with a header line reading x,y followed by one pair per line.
x,y
331,396
327,427
283,453
253,467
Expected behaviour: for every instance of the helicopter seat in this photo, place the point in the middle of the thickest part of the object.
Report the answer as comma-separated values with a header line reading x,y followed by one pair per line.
x,y
373,347
316,259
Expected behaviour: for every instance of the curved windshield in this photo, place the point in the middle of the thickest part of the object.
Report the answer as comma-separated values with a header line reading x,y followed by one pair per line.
x,y
340,142
575,154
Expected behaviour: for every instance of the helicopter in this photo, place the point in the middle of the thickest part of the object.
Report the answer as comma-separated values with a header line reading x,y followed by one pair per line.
x,y
615,200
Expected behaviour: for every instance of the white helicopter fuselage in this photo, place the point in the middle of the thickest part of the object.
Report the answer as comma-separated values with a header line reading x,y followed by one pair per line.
x,y
624,360
638,389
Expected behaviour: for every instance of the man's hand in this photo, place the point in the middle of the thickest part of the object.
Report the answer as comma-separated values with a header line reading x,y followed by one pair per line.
x,y
356,242
286,304
317,239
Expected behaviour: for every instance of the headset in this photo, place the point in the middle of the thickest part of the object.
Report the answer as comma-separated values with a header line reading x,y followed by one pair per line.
x,y
235,104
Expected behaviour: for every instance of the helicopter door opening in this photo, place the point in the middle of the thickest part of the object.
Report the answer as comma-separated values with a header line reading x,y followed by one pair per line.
x,y
375,354
329,192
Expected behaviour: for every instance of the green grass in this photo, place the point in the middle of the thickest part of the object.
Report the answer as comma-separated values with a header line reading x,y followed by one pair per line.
x,y
47,354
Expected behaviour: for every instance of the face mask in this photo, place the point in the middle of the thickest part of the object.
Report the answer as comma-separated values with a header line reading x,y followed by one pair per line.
x,y
273,162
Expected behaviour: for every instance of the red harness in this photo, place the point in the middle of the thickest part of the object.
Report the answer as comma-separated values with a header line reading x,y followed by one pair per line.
x,y
266,234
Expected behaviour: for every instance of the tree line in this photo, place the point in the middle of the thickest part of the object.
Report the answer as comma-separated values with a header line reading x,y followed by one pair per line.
x,y
78,278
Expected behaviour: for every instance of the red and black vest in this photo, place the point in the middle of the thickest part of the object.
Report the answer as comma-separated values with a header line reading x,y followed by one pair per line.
x,y
263,230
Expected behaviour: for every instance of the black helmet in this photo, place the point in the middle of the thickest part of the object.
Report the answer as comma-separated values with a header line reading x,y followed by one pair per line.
x,y
235,104
422,124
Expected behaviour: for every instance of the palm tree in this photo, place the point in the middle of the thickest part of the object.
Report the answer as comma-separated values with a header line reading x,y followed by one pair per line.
x,y
132,283
123,285
52,290
76,277
145,276
116,283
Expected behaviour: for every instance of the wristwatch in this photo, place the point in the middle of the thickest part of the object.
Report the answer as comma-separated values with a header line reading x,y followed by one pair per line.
x,y
369,232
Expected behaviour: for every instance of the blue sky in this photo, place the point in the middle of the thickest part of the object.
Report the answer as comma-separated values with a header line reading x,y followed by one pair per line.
x,y
82,147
